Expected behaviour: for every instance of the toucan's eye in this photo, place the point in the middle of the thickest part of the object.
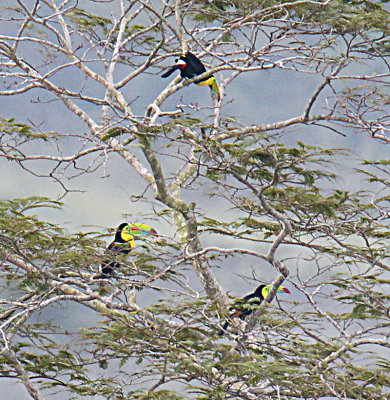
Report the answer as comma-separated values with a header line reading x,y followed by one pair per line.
x,y
176,60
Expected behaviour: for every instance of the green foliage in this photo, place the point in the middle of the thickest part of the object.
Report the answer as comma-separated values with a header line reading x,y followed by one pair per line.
x,y
175,338
86,20
342,16
114,132
11,128
350,16
158,395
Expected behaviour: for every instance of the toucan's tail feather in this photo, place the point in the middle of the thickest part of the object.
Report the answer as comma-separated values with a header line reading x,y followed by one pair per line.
x,y
215,92
224,328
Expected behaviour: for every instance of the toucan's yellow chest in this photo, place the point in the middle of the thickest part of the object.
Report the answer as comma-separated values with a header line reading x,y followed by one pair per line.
x,y
128,238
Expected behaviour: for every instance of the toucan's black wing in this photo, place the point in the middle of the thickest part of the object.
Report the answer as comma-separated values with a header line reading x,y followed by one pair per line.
x,y
236,311
119,248
195,63
170,71
109,265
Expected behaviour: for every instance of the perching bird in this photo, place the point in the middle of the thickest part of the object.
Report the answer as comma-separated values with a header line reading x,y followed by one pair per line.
x,y
190,66
247,305
124,242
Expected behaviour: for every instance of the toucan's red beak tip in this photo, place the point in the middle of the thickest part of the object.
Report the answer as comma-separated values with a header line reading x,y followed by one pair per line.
x,y
285,290
154,232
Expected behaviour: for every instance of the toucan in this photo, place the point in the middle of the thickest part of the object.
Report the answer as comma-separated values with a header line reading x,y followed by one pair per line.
x,y
190,66
124,242
247,305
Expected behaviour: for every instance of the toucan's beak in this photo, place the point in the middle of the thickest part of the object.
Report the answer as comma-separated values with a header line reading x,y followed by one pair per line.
x,y
142,229
283,289
153,232
170,71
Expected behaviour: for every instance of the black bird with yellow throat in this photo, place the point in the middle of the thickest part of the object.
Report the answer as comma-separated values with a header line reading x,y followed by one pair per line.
x,y
247,305
190,66
124,243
